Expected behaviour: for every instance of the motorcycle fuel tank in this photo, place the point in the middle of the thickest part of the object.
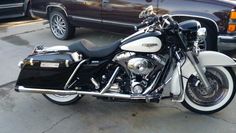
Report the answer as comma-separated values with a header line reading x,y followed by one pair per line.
x,y
148,42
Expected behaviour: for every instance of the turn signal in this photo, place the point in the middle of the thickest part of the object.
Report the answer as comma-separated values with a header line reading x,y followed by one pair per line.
x,y
231,28
233,15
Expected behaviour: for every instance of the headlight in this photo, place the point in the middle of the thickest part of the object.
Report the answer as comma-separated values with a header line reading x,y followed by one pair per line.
x,y
201,34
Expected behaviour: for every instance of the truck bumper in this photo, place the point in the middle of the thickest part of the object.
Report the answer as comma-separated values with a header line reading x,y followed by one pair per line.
x,y
227,42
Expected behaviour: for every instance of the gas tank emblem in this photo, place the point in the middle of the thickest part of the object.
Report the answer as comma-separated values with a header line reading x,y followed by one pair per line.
x,y
149,45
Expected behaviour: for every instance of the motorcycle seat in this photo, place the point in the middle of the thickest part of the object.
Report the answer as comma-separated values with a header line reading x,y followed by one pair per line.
x,y
90,50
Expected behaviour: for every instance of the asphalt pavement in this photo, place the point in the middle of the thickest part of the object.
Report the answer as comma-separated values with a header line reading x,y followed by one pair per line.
x,y
32,113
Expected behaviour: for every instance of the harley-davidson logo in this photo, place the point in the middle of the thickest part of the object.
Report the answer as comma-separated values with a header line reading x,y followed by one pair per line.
x,y
149,45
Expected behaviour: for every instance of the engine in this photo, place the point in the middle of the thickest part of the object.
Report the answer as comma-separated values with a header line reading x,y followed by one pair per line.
x,y
140,68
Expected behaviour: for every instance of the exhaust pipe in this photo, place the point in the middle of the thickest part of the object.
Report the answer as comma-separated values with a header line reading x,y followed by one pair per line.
x,y
70,92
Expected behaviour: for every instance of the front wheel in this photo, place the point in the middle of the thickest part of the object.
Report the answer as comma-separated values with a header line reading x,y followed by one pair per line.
x,y
222,93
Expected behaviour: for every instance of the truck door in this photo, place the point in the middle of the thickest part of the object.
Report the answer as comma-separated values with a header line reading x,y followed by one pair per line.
x,y
87,10
11,7
124,12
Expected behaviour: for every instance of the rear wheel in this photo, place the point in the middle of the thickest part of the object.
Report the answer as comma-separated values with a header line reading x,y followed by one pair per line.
x,y
222,93
63,99
60,26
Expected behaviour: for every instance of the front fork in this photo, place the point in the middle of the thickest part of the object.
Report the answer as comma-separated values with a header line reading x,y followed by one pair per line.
x,y
198,67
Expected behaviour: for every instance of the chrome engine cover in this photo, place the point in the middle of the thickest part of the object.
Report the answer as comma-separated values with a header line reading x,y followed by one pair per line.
x,y
140,66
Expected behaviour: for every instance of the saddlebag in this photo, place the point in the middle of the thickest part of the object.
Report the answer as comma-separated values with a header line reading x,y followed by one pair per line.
x,y
48,70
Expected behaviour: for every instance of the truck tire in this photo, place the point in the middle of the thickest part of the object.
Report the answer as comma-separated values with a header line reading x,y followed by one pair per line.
x,y
59,25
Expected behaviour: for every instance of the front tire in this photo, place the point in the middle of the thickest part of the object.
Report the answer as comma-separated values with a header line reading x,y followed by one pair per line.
x,y
59,25
63,99
222,82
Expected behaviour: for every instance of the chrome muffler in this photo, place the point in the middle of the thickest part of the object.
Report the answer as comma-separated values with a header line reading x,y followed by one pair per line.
x,y
70,92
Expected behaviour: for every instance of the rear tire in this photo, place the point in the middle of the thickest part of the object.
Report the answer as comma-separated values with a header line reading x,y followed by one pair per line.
x,y
59,25
63,99
222,80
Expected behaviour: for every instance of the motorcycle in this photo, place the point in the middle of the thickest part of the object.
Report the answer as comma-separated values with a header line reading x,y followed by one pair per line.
x,y
162,57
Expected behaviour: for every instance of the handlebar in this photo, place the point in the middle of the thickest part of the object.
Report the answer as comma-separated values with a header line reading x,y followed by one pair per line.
x,y
140,26
161,19
146,22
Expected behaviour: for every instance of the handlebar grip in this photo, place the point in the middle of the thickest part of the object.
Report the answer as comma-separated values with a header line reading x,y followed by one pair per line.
x,y
147,22
140,26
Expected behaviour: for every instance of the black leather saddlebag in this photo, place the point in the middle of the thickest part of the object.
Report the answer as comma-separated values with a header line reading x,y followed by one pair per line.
x,y
47,70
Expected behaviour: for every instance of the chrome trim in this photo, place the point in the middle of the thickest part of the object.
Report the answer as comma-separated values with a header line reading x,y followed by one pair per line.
x,y
73,92
95,83
117,23
31,61
227,37
85,18
151,87
70,92
5,6
39,12
20,64
67,63
72,75
58,6
195,16
102,21
110,81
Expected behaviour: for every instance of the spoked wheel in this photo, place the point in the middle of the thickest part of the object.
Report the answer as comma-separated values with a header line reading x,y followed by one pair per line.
x,y
221,94
63,99
60,27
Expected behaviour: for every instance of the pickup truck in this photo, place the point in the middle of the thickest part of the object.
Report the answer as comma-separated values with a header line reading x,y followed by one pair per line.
x,y
218,16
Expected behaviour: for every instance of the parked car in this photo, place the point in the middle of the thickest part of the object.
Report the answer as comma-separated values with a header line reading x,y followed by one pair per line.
x,y
14,8
218,16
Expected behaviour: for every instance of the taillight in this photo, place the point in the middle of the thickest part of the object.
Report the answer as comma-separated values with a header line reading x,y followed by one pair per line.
x,y
232,22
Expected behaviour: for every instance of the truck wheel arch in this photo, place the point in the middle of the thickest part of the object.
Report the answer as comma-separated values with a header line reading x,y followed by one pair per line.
x,y
59,7
210,23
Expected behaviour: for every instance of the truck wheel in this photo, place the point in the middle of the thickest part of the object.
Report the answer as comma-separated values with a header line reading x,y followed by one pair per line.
x,y
60,26
63,99
211,39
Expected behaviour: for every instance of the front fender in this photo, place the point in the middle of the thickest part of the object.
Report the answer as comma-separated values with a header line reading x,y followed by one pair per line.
x,y
212,58
206,58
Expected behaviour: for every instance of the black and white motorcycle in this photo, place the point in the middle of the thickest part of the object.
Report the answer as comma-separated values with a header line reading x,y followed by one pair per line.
x,y
162,57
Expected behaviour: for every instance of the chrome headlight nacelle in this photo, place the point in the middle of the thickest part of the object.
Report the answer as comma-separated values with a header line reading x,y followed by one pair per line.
x,y
201,34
